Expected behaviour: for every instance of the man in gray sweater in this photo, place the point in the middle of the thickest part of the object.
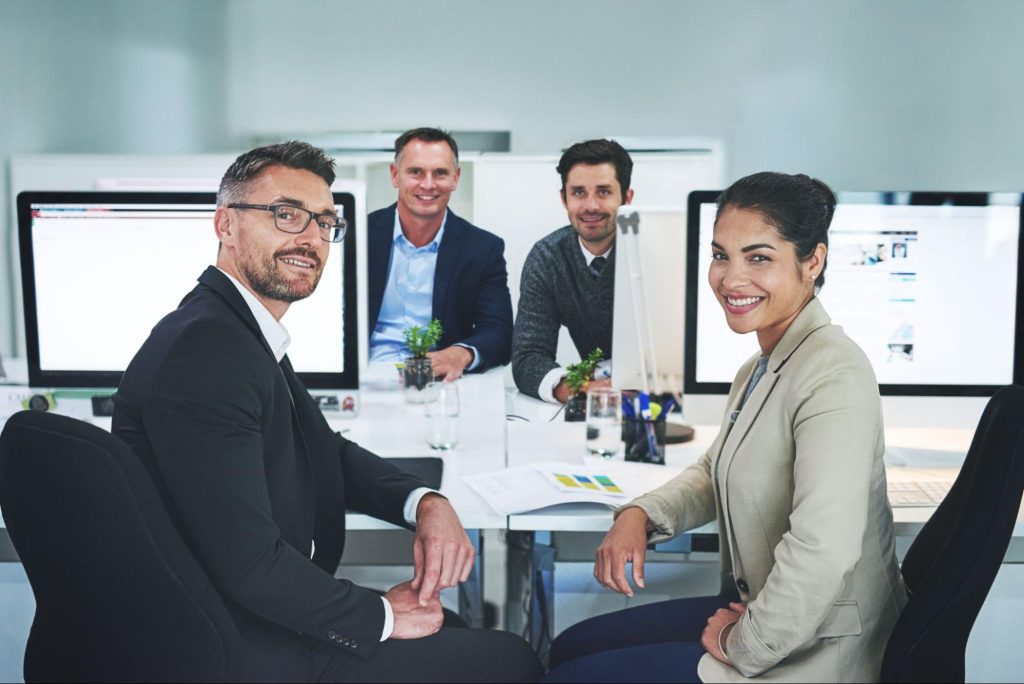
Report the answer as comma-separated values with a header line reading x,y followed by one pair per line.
x,y
569,276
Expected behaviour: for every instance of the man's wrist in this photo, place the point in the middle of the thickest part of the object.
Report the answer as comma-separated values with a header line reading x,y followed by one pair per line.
x,y
469,355
412,503
429,501
549,383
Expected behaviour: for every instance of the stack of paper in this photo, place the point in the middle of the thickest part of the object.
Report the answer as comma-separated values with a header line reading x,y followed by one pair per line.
x,y
538,485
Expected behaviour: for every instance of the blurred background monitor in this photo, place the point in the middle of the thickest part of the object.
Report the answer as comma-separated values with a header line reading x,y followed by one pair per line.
x,y
926,283
648,329
99,269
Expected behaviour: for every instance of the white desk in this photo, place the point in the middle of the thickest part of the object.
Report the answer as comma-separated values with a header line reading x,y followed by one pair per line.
x,y
535,441
389,426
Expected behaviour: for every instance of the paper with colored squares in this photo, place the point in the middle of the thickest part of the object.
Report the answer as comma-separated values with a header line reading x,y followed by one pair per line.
x,y
576,482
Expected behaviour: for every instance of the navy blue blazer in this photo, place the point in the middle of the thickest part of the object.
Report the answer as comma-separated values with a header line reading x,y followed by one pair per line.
x,y
471,297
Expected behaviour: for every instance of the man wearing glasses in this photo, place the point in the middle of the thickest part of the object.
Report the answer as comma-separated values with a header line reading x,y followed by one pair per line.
x,y
425,262
258,484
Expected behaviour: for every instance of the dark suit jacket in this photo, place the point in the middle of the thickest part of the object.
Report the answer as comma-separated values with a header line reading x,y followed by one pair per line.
x,y
253,475
471,297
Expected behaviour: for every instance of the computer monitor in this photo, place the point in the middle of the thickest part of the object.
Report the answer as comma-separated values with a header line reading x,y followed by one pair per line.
x,y
648,325
928,284
99,269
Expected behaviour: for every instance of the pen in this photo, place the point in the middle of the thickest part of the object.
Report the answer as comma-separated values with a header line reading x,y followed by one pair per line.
x,y
652,441
627,409
645,405
669,405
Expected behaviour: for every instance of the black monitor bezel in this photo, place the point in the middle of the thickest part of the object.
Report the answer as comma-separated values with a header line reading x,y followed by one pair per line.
x,y
43,378
694,281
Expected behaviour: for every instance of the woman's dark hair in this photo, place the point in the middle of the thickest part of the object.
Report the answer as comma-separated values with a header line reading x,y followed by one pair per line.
x,y
799,207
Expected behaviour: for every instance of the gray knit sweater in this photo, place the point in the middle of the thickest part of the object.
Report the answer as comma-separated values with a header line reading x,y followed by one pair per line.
x,y
557,289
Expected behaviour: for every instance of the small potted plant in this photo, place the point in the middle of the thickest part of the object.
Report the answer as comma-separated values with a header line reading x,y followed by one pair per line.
x,y
577,375
417,371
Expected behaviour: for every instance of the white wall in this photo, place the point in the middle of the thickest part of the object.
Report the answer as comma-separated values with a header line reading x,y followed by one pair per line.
x,y
873,94
869,94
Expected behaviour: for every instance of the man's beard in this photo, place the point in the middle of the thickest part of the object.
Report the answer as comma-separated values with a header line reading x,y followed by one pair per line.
x,y
267,280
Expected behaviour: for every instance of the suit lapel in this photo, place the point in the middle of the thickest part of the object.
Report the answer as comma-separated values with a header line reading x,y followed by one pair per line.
x,y
747,415
214,279
448,254
379,239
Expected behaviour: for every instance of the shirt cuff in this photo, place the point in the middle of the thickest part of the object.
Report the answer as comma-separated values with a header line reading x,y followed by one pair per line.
x,y
389,620
413,501
546,390
476,355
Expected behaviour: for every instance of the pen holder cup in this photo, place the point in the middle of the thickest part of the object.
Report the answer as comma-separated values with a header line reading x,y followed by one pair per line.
x,y
644,440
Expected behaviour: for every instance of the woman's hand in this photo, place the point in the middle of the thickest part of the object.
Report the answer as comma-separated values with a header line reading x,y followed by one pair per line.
x,y
625,543
717,631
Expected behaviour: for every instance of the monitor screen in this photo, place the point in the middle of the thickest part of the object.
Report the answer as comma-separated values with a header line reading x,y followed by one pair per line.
x,y
925,283
99,269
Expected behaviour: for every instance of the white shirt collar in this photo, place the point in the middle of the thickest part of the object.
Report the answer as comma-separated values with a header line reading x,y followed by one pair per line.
x,y
589,256
274,333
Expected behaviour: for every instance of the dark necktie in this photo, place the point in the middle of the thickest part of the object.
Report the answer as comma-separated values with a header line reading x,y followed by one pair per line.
x,y
596,266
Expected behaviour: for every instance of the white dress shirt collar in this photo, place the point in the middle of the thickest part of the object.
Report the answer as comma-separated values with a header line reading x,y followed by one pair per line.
x,y
590,257
274,333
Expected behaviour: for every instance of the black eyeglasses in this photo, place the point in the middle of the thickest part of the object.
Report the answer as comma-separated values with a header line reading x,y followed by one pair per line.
x,y
292,219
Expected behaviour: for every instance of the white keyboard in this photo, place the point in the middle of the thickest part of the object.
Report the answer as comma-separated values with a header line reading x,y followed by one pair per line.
x,y
907,494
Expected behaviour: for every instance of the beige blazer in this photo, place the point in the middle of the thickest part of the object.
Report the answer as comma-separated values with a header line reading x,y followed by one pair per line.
x,y
797,486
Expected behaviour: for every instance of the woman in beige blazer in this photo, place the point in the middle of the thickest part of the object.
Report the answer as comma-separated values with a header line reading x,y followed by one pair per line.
x,y
811,587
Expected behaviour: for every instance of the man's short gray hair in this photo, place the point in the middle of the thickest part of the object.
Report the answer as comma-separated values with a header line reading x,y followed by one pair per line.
x,y
294,154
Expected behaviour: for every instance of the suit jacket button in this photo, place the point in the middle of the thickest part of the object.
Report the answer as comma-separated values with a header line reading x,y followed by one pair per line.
x,y
332,635
741,584
355,644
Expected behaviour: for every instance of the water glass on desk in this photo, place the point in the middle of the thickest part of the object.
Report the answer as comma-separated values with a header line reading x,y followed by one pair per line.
x,y
604,423
441,403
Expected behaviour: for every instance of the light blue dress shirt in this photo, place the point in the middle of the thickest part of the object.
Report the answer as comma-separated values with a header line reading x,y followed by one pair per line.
x,y
408,296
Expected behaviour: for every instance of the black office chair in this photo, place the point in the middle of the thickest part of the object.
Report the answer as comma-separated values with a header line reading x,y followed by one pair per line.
x,y
952,563
118,595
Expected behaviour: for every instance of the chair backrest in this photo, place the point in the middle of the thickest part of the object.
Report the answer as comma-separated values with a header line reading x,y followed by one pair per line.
x,y
952,563
118,595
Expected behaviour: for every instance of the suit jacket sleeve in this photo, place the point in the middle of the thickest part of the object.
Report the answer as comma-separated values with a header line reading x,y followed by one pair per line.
x,y
683,503
205,428
375,486
535,337
492,311
838,436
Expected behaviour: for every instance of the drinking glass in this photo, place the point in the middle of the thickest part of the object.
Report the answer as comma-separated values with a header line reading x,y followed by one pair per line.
x,y
604,423
441,402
